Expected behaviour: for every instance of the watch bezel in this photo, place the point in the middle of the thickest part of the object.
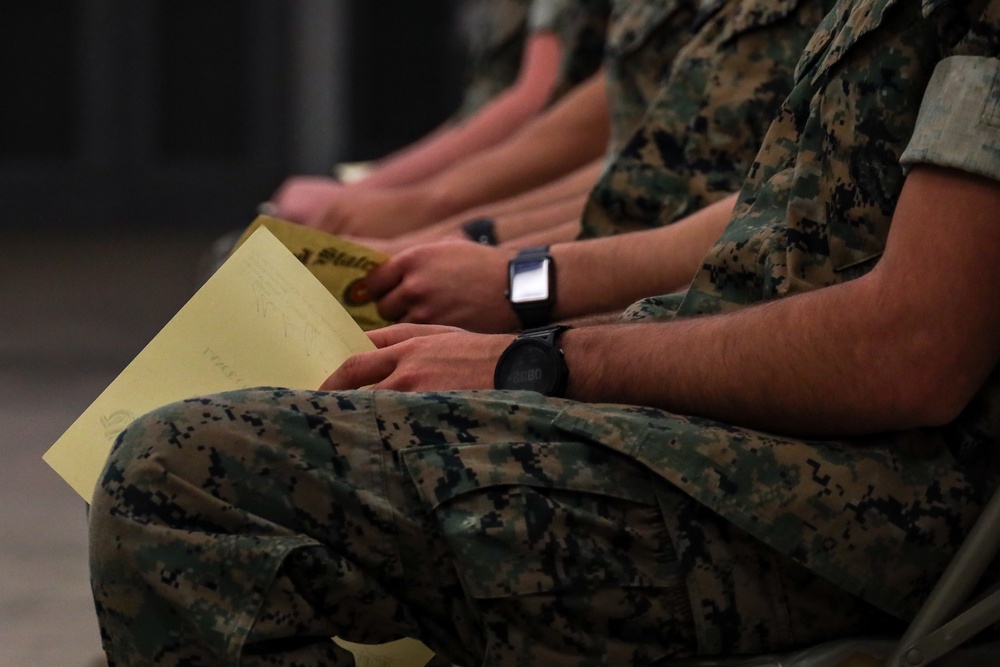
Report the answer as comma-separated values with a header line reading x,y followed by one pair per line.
x,y
521,263
556,374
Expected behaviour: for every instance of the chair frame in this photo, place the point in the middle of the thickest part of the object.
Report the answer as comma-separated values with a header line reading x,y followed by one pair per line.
x,y
939,627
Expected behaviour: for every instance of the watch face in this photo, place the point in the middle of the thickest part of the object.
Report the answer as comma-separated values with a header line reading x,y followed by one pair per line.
x,y
529,281
529,365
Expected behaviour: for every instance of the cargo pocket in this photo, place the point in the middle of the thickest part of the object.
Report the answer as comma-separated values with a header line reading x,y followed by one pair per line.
x,y
558,545
536,517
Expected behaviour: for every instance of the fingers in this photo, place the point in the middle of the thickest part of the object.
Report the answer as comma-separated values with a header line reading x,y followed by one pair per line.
x,y
431,282
385,276
371,368
361,370
397,333
323,219
302,197
394,306
383,284
386,285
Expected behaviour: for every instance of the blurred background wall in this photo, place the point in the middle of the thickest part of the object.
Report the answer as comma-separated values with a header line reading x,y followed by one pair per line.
x,y
124,113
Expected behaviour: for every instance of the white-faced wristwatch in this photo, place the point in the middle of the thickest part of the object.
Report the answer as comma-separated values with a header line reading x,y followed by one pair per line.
x,y
531,286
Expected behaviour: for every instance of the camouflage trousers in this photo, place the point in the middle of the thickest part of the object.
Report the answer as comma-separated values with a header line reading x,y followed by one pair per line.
x,y
247,528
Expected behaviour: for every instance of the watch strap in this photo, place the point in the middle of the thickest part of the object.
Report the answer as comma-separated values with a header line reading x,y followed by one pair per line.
x,y
549,333
533,315
548,336
481,230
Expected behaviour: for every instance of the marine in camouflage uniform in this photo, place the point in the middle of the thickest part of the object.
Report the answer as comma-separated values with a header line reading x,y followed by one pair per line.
x,y
497,31
505,528
697,139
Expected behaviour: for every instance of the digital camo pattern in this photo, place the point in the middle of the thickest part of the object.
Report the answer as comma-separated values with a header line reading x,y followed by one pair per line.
x,y
698,138
963,109
643,38
582,27
497,31
287,515
816,212
204,504
816,208
261,520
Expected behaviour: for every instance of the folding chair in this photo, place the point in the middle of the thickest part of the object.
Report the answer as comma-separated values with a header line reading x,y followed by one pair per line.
x,y
939,629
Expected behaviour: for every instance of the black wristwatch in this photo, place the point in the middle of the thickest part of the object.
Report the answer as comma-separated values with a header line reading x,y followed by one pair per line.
x,y
481,230
531,286
534,362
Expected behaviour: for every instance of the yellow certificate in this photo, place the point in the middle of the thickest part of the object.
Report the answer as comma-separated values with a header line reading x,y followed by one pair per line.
x,y
261,320
339,264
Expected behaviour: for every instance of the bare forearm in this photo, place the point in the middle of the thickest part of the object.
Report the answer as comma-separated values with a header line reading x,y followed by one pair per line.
x,y
797,366
562,233
538,223
579,182
565,138
518,215
490,126
904,346
636,265
542,226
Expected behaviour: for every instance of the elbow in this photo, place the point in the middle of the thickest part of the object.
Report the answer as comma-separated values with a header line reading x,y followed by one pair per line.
x,y
528,99
924,365
930,393
540,67
533,92
940,406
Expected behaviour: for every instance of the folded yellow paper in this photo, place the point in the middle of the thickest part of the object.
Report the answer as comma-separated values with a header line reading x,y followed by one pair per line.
x,y
261,319
339,264
400,653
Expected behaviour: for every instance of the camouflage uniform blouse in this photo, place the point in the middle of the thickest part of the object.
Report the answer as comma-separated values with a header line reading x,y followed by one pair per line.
x,y
816,211
636,40
497,30
697,139
644,37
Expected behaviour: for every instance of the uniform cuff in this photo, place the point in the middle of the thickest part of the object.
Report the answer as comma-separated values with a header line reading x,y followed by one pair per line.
x,y
544,14
959,121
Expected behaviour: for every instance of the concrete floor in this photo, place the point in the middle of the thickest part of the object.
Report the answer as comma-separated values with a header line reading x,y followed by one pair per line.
x,y
73,313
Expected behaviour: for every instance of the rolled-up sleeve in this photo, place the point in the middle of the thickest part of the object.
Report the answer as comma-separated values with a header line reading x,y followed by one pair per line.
x,y
545,14
959,121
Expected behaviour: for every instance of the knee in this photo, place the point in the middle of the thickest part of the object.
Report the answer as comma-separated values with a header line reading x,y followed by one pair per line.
x,y
126,473
153,481
135,450
115,510
151,461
